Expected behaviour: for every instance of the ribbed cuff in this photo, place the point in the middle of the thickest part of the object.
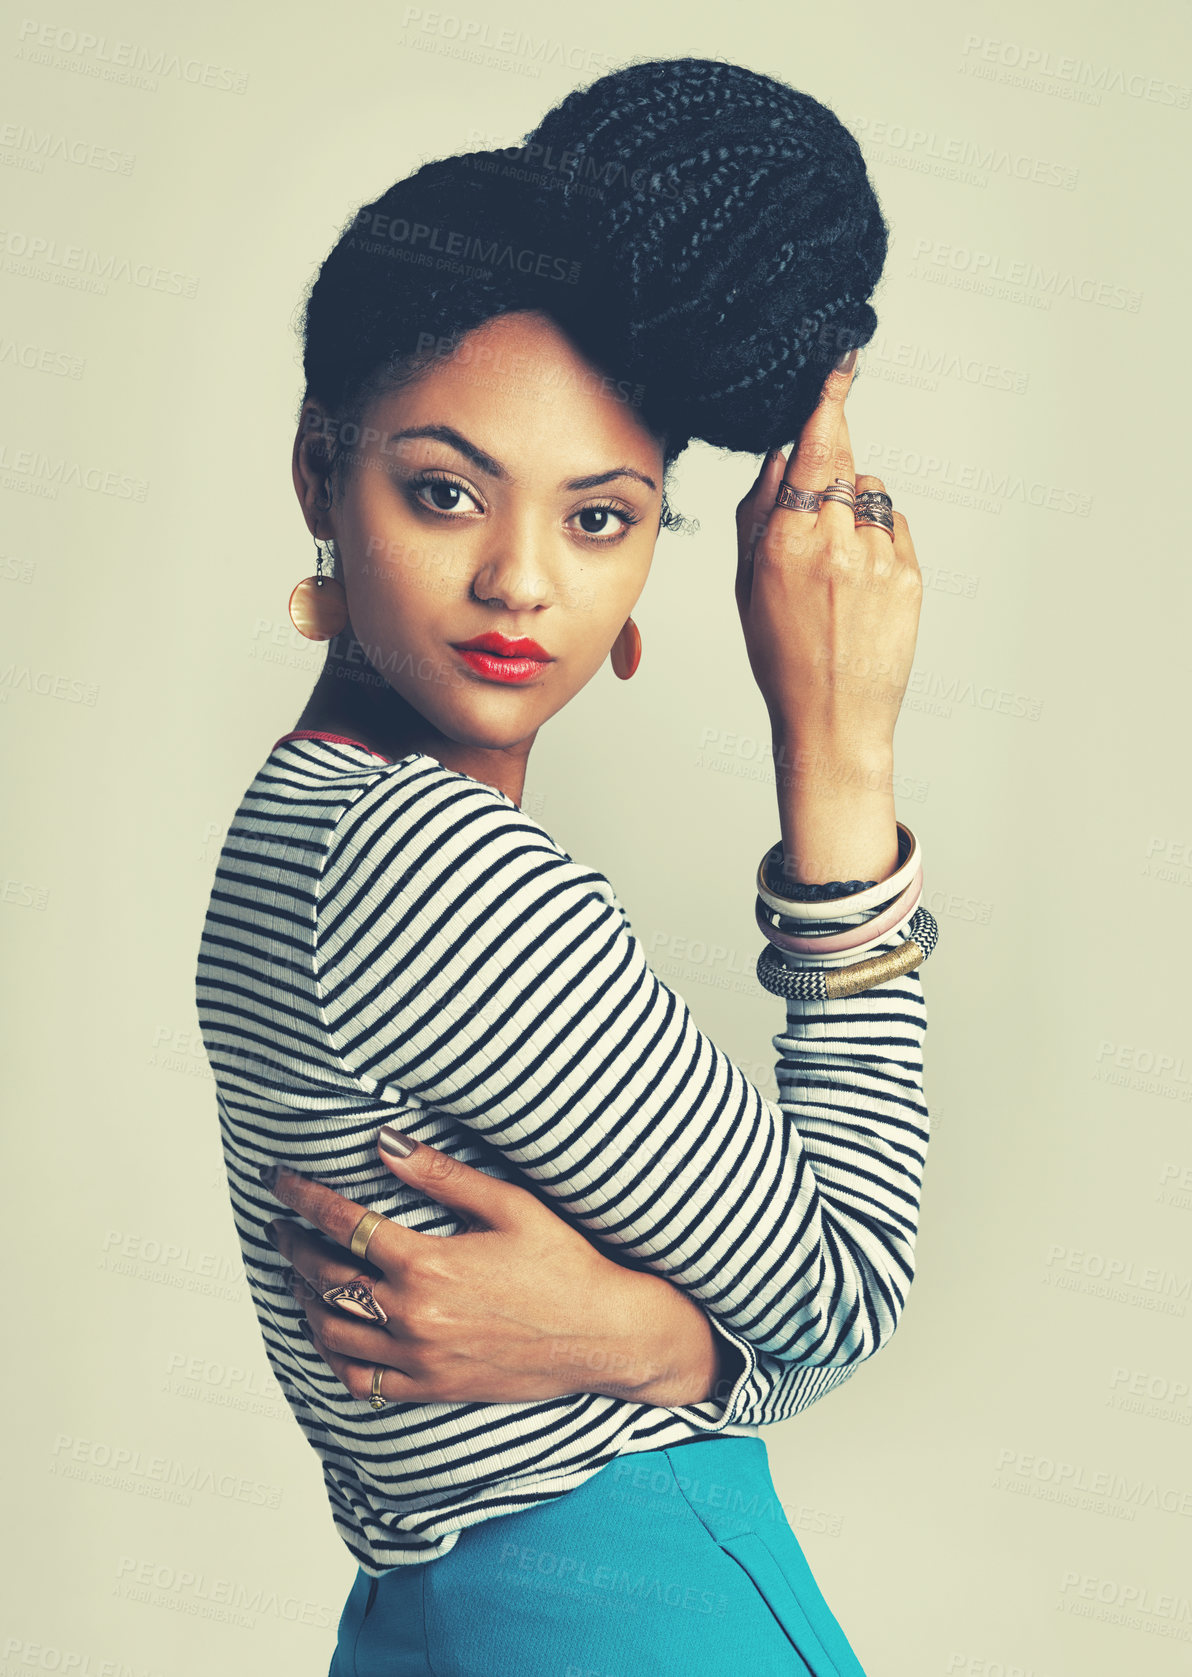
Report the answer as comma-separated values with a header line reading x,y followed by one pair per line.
x,y
717,1412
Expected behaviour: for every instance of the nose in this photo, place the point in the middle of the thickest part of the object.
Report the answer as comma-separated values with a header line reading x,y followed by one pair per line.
x,y
515,572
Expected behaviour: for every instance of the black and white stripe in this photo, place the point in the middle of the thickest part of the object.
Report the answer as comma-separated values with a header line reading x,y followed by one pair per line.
x,y
399,942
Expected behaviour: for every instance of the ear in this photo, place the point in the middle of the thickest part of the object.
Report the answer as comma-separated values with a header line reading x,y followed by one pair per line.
x,y
311,469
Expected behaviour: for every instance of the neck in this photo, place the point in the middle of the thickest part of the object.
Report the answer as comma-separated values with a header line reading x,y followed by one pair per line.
x,y
350,698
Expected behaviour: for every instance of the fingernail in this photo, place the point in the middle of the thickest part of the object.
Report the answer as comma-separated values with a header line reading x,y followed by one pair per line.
x,y
845,364
394,1142
271,1235
305,1327
269,1175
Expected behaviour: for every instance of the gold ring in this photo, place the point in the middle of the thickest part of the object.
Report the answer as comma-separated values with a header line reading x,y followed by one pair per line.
x,y
356,1297
362,1233
374,1396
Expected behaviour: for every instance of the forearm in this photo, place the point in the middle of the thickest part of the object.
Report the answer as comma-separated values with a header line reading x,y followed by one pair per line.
x,y
835,808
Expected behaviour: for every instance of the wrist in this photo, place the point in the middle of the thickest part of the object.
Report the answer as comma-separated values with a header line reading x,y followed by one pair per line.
x,y
675,1346
848,832
827,757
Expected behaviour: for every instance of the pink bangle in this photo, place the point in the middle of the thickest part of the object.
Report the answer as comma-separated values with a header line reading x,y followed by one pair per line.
x,y
867,932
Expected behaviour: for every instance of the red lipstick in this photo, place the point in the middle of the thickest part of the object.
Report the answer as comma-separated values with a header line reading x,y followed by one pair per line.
x,y
502,659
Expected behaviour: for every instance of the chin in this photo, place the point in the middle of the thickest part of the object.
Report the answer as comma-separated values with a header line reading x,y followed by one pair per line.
x,y
492,739
513,726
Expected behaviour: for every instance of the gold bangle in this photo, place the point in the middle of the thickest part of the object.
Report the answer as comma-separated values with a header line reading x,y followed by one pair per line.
x,y
864,975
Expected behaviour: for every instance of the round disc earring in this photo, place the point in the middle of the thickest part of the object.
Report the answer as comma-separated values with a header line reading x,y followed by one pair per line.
x,y
626,651
318,605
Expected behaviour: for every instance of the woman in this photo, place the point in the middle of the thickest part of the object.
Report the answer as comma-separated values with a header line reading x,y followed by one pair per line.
x,y
417,1005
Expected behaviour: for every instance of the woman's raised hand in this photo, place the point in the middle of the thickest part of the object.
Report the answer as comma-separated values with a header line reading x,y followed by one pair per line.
x,y
519,1306
830,610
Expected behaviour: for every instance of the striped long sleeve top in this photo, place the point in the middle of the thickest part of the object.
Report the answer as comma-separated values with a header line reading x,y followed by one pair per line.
x,y
397,942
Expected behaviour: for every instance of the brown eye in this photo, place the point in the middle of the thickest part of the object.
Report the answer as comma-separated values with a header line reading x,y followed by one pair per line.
x,y
603,513
444,487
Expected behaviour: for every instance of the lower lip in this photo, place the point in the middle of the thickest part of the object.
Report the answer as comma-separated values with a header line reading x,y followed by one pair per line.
x,y
497,668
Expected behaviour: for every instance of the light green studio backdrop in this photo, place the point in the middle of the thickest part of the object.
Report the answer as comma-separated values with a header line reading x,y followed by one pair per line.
x,y
1006,1491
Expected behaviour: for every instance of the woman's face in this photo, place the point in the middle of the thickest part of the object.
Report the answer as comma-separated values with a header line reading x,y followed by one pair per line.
x,y
531,513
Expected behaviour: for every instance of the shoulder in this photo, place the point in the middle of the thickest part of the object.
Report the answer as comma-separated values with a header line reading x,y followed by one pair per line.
x,y
438,841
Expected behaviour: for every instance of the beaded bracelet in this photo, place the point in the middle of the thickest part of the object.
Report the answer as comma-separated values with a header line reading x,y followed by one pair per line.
x,y
800,892
824,984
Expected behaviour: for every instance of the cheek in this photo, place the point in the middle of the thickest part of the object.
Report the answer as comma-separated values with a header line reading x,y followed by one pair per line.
x,y
391,546
592,631
398,604
404,577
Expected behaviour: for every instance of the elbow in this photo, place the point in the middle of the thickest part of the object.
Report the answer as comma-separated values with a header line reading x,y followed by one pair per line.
x,y
860,1316
881,1296
889,1318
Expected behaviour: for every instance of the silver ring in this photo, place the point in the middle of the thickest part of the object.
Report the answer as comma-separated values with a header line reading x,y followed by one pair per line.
x,y
876,518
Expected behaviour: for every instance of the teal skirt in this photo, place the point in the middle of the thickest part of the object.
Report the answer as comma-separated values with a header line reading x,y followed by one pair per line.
x,y
669,1562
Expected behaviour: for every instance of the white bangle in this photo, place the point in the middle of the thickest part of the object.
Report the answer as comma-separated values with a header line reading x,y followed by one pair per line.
x,y
847,957
873,897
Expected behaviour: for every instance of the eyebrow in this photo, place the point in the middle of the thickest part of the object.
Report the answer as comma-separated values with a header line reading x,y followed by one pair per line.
x,y
485,462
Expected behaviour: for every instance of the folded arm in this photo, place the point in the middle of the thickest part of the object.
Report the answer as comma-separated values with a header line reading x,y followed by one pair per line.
x,y
468,964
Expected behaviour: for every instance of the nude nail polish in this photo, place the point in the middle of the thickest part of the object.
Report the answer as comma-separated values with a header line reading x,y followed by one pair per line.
x,y
395,1143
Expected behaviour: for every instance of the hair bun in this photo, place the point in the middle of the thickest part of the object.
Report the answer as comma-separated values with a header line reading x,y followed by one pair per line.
x,y
731,236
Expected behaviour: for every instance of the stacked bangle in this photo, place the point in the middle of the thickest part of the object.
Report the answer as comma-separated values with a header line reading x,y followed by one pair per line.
x,y
770,887
824,985
807,935
867,933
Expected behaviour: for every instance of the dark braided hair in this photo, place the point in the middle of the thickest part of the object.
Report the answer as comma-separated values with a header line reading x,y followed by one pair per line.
x,y
707,236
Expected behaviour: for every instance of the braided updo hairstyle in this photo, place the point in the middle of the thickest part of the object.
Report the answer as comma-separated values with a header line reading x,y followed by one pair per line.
x,y
707,236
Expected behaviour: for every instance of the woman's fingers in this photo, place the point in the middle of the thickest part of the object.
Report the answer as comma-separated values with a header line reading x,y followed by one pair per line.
x,y
338,1216
412,1369
395,1385
817,459
836,516
350,1334
753,510
325,1266
484,1202
876,539
812,465
352,1349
